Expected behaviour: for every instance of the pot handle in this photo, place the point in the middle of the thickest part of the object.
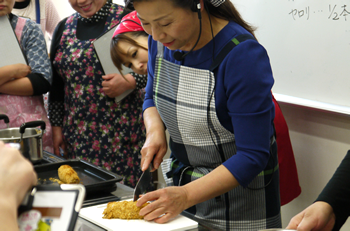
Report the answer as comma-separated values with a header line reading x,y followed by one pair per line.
x,y
6,119
32,124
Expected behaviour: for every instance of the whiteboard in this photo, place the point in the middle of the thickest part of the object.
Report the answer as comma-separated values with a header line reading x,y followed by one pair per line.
x,y
308,42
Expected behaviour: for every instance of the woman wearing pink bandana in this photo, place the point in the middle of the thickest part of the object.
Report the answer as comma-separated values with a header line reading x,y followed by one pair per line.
x,y
129,45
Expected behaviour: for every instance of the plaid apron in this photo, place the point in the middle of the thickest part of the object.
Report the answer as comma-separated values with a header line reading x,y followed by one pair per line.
x,y
182,95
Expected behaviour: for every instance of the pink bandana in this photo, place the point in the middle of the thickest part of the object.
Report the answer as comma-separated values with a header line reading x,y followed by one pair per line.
x,y
129,23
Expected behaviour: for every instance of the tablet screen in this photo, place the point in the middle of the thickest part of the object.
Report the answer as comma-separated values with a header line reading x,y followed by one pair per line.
x,y
51,211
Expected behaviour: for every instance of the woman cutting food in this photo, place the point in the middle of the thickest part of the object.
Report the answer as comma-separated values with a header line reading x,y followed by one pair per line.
x,y
129,47
218,110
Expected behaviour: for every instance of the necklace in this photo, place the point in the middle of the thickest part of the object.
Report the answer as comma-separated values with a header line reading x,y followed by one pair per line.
x,y
102,13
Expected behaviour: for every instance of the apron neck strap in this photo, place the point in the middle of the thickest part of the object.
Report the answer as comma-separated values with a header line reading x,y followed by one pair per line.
x,y
229,46
160,48
19,28
37,11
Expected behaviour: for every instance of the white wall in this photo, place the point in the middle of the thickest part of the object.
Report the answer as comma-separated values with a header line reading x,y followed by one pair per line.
x,y
320,141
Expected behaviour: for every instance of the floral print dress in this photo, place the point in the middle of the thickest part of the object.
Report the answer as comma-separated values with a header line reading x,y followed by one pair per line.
x,y
95,127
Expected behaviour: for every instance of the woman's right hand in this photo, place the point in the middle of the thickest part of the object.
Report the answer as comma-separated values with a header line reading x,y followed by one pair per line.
x,y
17,175
155,146
21,70
115,84
18,70
58,141
14,71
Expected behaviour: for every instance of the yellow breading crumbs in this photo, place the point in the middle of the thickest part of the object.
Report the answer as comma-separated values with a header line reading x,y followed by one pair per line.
x,y
55,180
123,210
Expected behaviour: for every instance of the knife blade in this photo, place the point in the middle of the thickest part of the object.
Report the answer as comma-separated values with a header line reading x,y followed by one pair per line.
x,y
143,183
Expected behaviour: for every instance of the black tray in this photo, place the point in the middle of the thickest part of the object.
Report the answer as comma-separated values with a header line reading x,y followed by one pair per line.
x,y
94,178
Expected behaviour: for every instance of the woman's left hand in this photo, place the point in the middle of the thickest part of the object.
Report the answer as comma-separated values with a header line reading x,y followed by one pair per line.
x,y
169,201
114,84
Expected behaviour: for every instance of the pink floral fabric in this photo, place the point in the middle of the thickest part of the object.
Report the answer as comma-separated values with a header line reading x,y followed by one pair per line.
x,y
21,109
97,129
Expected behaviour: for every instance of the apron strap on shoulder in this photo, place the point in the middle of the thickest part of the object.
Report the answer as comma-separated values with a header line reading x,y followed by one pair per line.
x,y
21,22
37,11
229,46
160,48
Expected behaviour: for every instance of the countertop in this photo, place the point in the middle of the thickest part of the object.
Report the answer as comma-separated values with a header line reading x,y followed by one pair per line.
x,y
123,193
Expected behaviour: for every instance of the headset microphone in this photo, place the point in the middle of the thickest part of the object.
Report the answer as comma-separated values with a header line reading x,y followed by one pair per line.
x,y
178,55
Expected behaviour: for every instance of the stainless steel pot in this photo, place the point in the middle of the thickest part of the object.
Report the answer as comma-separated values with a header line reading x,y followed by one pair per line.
x,y
28,136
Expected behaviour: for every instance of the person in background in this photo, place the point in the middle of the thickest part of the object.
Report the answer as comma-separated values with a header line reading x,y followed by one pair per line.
x,y
332,207
129,47
87,122
42,12
22,86
17,176
218,110
46,14
289,180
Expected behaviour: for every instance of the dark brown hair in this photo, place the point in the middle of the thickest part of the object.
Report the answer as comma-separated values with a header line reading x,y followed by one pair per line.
x,y
226,11
116,53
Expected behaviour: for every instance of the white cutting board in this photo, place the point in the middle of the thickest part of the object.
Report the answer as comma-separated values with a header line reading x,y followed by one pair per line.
x,y
94,215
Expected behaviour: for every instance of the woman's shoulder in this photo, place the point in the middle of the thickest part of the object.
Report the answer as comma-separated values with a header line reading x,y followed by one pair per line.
x,y
28,25
239,36
230,31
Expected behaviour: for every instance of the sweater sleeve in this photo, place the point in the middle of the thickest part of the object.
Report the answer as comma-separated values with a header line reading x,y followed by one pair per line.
x,y
56,97
152,51
141,80
246,92
34,48
52,17
337,191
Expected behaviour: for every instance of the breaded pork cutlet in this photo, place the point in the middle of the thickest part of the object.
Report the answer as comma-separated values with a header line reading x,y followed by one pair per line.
x,y
123,210
67,175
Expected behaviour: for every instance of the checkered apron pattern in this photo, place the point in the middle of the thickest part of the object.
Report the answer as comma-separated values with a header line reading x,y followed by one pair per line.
x,y
181,95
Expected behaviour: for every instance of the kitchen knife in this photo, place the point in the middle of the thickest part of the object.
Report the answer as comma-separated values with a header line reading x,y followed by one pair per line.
x,y
143,183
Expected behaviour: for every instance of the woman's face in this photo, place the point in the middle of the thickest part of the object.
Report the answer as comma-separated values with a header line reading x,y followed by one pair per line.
x,y
6,6
87,8
175,27
136,57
